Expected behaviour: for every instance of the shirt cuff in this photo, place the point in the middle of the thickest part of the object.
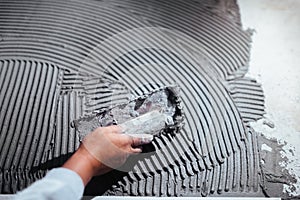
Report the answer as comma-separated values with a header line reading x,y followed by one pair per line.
x,y
71,178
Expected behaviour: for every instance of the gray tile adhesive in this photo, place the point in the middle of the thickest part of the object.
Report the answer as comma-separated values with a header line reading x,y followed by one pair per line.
x,y
64,61
152,114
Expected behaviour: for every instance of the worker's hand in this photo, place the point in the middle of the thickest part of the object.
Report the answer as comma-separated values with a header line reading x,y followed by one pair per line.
x,y
104,149
110,147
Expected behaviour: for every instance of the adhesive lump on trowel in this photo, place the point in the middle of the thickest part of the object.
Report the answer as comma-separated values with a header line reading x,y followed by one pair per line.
x,y
145,116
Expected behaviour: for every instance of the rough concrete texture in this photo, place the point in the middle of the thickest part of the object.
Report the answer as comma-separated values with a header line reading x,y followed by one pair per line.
x,y
276,66
63,60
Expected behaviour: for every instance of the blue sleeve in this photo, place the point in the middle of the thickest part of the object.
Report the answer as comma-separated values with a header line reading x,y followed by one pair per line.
x,y
59,183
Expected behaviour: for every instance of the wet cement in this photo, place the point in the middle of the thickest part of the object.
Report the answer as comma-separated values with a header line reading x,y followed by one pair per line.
x,y
105,53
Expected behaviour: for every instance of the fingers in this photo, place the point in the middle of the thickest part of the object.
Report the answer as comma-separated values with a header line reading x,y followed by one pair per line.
x,y
140,139
136,150
130,143
135,142
113,129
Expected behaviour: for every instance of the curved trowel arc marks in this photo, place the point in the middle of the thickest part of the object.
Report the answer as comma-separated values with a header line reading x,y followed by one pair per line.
x,y
157,112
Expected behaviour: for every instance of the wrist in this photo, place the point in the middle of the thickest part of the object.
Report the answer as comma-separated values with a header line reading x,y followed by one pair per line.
x,y
84,164
96,166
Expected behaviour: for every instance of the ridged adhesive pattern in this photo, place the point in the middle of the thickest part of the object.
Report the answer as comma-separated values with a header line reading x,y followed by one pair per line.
x,y
29,96
89,56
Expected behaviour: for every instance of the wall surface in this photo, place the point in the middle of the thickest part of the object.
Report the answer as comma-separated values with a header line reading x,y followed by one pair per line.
x,y
275,62
62,61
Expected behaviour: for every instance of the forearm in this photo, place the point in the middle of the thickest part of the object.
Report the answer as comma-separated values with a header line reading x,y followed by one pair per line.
x,y
101,151
85,165
67,182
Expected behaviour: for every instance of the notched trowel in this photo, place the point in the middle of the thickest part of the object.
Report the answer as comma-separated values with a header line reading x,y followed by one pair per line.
x,y
152,114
